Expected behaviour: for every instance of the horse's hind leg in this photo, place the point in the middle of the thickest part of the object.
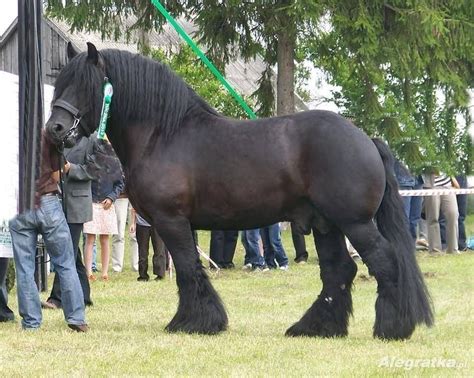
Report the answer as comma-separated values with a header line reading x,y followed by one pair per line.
x,y
329,314
200,310
379,256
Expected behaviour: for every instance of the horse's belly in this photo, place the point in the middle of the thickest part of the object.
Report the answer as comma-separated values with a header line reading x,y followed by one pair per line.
x,y
241,210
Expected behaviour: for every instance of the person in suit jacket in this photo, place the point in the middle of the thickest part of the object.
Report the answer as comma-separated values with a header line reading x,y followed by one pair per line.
x,y
80,169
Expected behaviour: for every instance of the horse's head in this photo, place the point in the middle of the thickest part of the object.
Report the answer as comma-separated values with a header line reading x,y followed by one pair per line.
x,y
78,97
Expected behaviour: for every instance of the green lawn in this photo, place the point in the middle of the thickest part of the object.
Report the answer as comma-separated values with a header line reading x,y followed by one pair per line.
x,y
127,337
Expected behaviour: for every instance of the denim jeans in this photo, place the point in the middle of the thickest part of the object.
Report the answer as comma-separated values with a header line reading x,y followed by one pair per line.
x,y
49,221
272,247
250,240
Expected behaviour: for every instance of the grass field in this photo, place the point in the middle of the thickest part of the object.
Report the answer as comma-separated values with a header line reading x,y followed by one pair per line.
x,y
126,335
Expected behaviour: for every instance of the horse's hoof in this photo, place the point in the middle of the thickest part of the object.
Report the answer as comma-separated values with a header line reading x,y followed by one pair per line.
x,y
389,325
296,331
316,330
195,328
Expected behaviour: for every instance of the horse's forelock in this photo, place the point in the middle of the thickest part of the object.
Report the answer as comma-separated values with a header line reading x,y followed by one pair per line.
x,y
86,82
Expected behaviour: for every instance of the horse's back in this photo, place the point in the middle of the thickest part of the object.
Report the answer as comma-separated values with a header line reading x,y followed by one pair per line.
x,y
251,173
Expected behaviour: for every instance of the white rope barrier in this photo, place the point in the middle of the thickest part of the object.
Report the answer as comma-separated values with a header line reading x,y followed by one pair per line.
x,y
434,192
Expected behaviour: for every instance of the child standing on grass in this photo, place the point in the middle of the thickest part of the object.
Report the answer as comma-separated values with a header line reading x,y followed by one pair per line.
x,y
144,232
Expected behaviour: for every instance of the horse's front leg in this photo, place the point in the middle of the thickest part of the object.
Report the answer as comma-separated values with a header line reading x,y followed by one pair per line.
x,y
200,310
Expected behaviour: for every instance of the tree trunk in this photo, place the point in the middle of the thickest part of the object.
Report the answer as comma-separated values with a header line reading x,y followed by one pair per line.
x,y
286,73
144,42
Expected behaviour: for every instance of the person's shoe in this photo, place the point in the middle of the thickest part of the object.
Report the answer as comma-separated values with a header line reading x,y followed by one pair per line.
x,y
79,327
301,260
158,278
284,267
455,252
247,266
260,268
49,305
436,252
5,319
89,303
228,266
422,244
143,279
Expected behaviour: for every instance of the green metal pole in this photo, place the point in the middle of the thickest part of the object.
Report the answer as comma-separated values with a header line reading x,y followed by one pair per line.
x,y
204,58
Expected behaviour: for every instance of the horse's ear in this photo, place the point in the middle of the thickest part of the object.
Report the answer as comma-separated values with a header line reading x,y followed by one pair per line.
x,y
71,51
92,53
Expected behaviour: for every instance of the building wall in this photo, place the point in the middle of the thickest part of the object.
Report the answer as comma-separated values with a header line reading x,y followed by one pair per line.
x,y
9,55
53,52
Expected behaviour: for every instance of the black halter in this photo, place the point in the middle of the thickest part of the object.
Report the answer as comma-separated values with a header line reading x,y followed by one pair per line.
x,y
75,112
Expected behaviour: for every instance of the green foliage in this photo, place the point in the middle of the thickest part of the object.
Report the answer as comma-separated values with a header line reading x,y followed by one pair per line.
x,y
107,16
404,69
197,75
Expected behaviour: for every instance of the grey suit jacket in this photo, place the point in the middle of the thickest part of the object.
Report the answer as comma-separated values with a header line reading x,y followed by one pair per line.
x,y
77,182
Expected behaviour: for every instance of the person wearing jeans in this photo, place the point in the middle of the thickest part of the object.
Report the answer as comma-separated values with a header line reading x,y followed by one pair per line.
x,y
272,248
253,258
77,203
46,218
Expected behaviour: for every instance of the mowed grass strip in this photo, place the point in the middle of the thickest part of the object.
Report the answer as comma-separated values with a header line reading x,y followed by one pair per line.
x,y
127,336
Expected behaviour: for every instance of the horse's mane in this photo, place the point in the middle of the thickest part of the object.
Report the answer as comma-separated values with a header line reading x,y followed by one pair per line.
x,y
144,89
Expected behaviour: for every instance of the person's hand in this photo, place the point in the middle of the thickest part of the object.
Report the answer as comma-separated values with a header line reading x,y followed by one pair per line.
x,y
67,167
107,203
132,229
455,183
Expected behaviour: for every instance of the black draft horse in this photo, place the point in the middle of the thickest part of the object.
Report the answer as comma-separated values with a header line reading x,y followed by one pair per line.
x,y
188,167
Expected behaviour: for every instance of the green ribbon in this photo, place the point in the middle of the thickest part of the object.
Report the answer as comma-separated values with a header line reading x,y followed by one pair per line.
x,y
108,93
203,57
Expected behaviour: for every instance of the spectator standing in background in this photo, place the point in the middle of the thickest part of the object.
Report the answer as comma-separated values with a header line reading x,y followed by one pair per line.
x,y
222,247
118,240
448,205
144,232
106,188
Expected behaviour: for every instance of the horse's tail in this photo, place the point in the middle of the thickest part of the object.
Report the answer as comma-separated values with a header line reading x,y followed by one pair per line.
x,y
415,304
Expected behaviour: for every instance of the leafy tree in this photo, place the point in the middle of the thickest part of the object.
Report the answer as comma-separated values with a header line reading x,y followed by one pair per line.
x,y
404,69
266,27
